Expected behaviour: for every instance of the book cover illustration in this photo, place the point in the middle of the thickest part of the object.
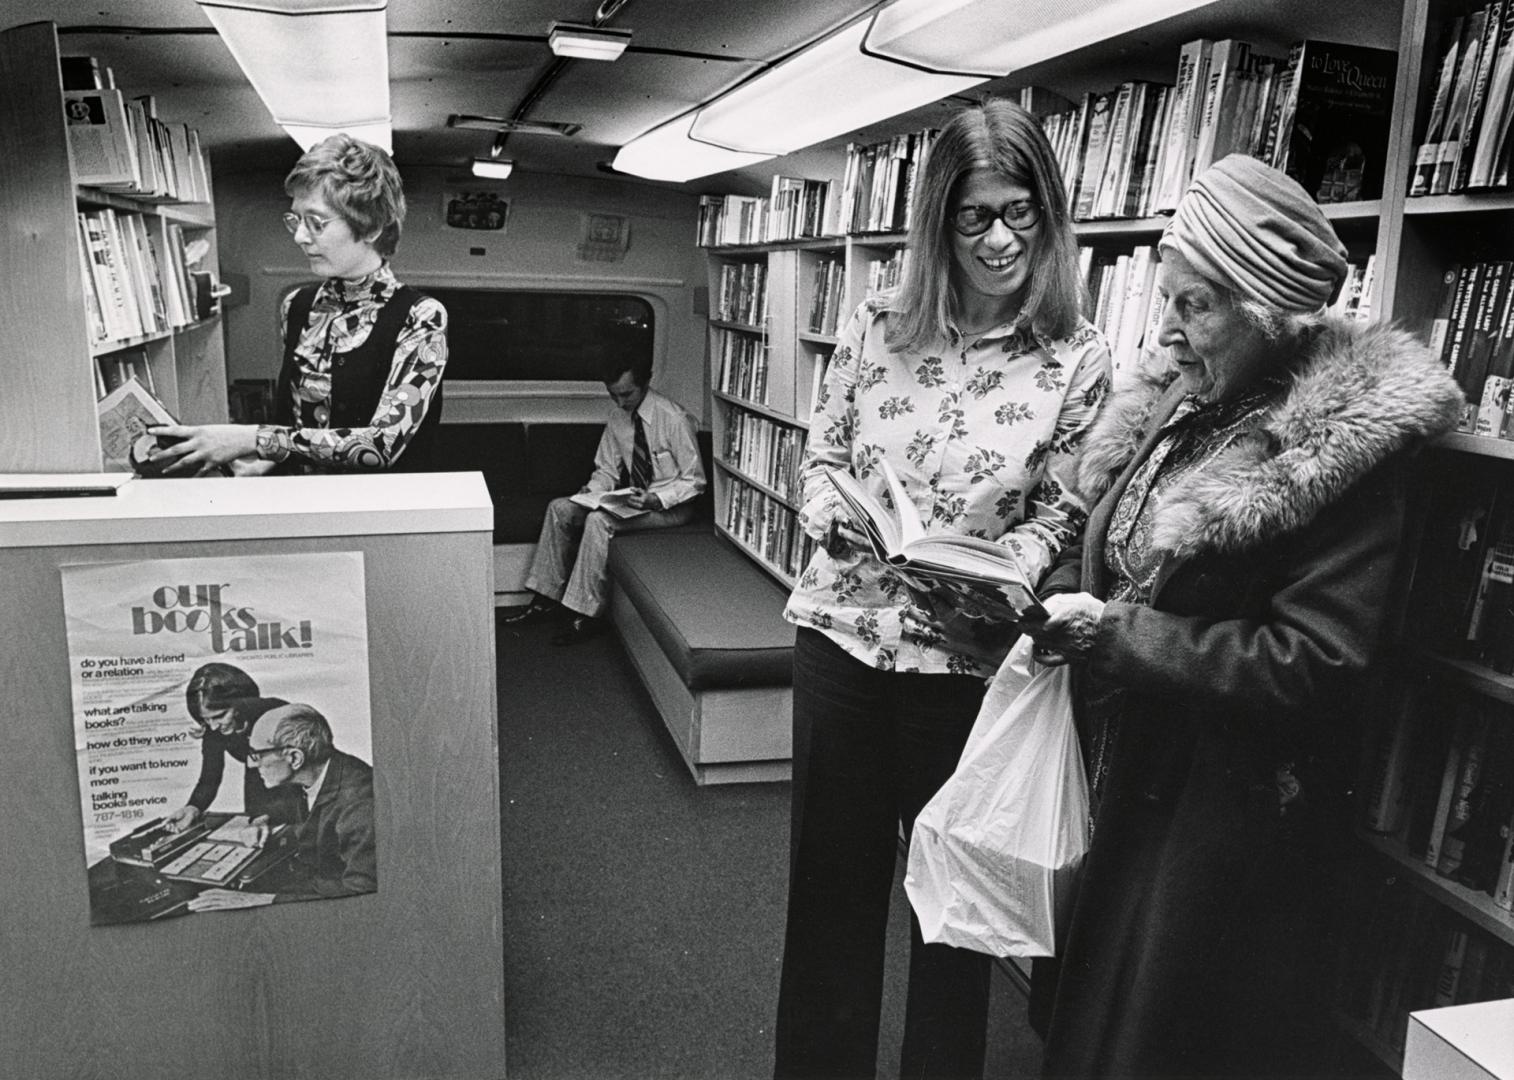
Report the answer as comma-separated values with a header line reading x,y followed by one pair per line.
x,y
1337,139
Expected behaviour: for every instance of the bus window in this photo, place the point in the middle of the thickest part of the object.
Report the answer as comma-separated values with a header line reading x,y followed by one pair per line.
x,y
510,335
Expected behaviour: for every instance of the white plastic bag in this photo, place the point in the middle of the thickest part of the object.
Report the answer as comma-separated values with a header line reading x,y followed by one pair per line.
x,y
995,853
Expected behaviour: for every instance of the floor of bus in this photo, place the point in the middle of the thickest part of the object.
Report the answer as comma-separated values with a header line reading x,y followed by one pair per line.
x,y
644,916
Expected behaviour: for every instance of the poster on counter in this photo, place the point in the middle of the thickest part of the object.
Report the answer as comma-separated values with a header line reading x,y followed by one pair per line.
x,y
222,730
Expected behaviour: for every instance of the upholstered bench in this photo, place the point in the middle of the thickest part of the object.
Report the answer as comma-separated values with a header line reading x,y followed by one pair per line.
x,y
704,628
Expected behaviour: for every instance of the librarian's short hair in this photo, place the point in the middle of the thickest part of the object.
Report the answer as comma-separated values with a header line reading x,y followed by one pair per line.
x,y
303,728
1000,136
360,182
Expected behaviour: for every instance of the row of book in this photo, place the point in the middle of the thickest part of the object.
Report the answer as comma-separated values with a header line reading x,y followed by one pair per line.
x,y
879,181
742,293
117,367
875,195
1321,114
1446,790
1398,951
769,452
137,275
1473,333
1461,595
801,209
768,528
743,364
827,293
1128,308
119,144
1467,145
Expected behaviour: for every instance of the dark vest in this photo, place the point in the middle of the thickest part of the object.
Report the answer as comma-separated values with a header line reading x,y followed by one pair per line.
x,y
358,377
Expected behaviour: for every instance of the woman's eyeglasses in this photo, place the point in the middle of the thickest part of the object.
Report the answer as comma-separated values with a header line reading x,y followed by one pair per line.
x,y
976,220
314,224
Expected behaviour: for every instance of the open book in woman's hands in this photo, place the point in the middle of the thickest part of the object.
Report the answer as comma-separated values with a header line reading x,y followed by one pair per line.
x,y
989,570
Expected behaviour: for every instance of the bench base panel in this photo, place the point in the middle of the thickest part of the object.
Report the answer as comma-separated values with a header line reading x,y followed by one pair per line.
x,y
725,736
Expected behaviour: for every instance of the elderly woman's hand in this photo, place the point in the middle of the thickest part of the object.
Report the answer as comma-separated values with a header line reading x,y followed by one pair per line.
x,y
1067,632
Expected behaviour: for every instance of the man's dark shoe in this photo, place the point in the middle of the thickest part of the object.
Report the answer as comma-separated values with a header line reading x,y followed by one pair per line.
x,y
527,614
582,628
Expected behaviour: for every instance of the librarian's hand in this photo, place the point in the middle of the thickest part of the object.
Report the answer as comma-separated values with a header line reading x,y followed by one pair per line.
x,y
182,818
203,448
229,900
1068,631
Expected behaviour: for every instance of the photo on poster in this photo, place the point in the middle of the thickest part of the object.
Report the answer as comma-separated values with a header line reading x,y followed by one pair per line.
x,y
223,732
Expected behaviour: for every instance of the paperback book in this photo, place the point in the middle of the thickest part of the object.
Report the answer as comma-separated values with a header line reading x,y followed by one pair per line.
x,y
899,539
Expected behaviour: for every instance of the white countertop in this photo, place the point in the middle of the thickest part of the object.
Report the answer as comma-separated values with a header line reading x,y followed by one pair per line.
x,y
226,508
1461,1042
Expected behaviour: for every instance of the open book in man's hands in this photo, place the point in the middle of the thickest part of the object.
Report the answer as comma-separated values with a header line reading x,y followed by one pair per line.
x,y
611,502
989,570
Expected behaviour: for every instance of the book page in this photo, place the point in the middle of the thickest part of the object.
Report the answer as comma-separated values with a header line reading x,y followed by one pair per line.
x,y
612,502
869,515
911,528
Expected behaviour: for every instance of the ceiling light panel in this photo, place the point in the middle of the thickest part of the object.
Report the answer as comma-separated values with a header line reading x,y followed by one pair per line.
x,y
1005,36
588,42
667,153
780,110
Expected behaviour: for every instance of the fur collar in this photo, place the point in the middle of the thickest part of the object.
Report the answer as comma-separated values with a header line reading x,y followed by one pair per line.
x,y
1359,394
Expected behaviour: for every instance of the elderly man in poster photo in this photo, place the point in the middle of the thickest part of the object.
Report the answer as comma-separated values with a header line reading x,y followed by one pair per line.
x,y
335,854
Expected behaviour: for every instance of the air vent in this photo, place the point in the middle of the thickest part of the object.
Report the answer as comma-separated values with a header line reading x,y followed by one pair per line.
x,y
514,127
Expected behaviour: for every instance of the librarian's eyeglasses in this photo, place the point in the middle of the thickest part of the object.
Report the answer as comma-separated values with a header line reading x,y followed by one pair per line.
x,y
976,220
314,225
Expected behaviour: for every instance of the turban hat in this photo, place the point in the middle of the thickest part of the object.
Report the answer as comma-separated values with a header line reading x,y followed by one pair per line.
x,y
1251,227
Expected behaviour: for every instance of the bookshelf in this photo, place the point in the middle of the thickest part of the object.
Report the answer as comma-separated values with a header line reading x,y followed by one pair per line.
x,y
47,415
1411,241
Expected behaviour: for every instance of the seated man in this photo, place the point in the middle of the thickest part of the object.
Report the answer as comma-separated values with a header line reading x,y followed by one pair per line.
x,y
648,446
335,853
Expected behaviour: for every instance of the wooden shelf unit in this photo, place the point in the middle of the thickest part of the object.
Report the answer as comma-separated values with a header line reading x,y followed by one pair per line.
x,y
48,422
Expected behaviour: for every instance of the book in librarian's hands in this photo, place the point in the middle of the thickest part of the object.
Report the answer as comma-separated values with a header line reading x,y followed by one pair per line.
x,y
125,415
615,502
988,570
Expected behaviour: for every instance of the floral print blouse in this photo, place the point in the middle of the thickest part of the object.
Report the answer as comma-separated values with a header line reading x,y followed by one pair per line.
x,y
341,318
984,433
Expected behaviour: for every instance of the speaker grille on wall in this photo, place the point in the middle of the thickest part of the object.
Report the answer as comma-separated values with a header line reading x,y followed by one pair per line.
x,y
701,300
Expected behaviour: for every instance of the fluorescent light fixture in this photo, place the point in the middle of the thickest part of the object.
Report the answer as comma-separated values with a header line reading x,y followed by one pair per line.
x,y
829,89
992,38
320,66
493,168
667,153
588,42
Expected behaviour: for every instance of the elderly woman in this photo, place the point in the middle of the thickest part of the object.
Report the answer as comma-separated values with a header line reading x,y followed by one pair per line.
x,y
1226,604
976,380
360,385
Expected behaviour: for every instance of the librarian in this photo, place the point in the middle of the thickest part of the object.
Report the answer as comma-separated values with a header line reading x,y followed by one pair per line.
x,y
977,380
1224,609
360,385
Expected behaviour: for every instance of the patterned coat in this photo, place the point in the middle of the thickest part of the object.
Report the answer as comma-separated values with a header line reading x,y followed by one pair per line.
x,y
1195,943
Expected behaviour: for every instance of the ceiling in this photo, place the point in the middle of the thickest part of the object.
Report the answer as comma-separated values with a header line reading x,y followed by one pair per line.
x,y
490,58
480,57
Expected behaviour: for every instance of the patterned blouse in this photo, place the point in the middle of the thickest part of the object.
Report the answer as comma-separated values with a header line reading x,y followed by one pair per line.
x,y
342,316
984,433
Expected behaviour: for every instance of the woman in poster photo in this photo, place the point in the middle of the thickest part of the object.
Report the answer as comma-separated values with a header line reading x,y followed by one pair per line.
x,y
224,702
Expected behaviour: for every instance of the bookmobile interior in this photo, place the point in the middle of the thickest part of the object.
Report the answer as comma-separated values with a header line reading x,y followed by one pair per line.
x,y
722,193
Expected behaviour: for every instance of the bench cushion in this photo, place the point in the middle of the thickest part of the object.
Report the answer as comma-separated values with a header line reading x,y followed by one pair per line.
x,y
718,618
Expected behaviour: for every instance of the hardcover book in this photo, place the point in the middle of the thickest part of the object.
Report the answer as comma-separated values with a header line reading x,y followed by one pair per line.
x,y
1334,130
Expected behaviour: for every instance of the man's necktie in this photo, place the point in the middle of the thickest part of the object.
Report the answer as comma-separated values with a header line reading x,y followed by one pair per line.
x,y
641,457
